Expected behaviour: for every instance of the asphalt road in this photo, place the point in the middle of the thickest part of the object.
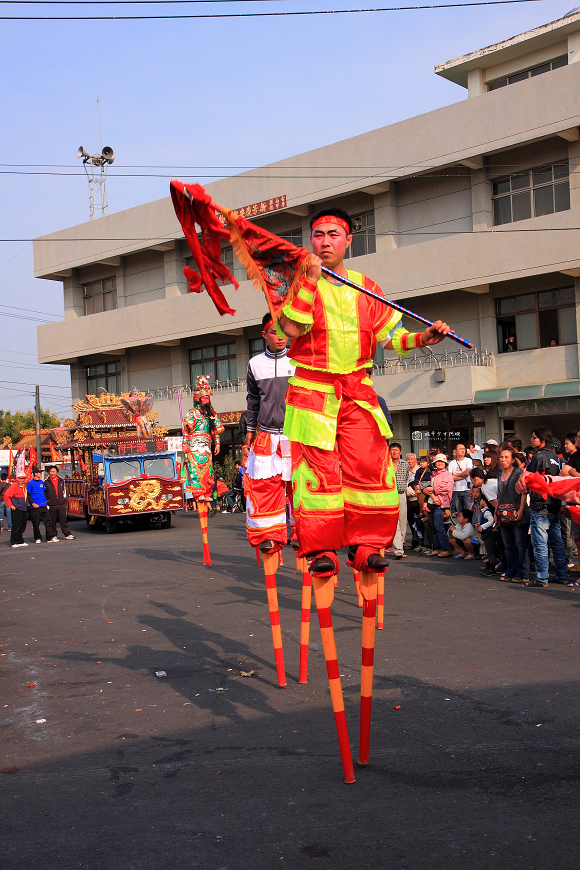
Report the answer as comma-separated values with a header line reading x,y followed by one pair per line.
x,y
107,765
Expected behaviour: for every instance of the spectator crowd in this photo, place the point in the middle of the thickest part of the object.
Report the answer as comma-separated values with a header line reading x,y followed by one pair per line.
x,y
475,506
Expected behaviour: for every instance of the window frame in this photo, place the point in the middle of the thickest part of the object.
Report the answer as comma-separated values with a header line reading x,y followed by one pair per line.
x,y
108,374
366,232
509,319
99,292
528,73
210,362
500,198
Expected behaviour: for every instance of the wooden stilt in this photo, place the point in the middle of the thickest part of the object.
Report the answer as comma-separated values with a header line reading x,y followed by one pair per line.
x,y
381,597
270,561
202,509
356,576
281,558
381,601
305,620
258,555
324,595
368,587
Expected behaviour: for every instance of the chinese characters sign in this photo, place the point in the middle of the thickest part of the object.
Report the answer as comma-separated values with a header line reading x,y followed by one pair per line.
x,y
258,209
142,447
437,434
230,416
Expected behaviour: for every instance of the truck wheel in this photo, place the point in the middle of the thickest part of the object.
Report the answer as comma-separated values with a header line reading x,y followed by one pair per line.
x,y
166,521
111,526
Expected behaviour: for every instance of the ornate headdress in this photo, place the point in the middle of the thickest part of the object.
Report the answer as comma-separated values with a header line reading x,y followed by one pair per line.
x,y
202,384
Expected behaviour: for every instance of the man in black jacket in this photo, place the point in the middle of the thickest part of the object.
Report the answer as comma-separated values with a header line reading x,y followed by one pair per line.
x,y
545,514
54,489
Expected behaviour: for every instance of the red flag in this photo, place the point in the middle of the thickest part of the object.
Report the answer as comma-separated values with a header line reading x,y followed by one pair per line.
x,y
273,265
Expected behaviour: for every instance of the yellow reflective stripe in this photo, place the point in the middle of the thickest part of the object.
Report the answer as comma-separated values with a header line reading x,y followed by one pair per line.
x,y
310,427
397,342
306,295
378,417
383,498
342,324
297,316
390,324
310,385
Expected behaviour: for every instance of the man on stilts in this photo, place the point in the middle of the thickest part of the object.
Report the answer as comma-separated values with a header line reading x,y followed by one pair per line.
x,y
269,467
343,480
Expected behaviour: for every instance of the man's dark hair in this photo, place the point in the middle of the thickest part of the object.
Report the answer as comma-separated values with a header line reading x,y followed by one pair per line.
x,y
3,476
267,318
516,443
477,472
467,513
335,212
544,435
395,444
237,462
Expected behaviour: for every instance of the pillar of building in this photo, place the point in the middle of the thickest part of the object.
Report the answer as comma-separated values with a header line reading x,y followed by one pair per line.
x,y
74,303
179,366
487,322
577,296
481,203
121,283
78,380
386,219
476,83
574,158
173,265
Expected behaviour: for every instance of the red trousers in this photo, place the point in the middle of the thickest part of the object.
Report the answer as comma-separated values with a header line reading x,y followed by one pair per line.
x,y
347,495
266,510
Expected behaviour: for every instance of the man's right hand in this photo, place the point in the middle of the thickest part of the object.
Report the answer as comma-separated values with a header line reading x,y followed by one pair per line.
x,y
314,270
249,438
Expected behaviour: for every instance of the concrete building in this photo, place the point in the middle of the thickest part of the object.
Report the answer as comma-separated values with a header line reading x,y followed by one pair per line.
x,y
470,213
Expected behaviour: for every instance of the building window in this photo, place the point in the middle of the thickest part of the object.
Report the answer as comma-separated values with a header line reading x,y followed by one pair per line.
x,y
532,193
257,345
544,319
444,429
363,235
293,236
100,295
104,376
529,73
217,363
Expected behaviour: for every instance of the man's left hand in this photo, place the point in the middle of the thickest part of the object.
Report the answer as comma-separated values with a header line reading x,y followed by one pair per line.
x,y
434,334
216,449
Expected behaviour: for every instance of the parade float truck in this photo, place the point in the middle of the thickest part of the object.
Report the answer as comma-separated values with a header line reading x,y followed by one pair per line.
x,y
137,479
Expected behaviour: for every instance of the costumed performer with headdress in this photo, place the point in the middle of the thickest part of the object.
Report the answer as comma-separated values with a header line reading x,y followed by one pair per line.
x,y
201,440
343,480
269,466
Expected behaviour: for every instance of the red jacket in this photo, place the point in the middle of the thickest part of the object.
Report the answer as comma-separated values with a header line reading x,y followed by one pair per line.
x,y
442,483
16,497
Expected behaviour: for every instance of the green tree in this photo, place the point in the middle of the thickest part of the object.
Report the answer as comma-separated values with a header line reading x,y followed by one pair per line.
x,y
12,424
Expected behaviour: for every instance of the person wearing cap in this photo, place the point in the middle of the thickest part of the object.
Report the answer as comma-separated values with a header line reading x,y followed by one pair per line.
x,y
16,497
440,493
56,498
269,466
343,482
38,508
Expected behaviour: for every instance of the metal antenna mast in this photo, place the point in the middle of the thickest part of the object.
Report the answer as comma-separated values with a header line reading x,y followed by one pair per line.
x,y
96,166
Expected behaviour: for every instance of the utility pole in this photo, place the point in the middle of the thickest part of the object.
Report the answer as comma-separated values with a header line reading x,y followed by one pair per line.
x,y
38,444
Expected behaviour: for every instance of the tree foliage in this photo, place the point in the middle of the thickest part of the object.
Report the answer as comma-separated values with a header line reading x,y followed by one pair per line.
x,y
12,424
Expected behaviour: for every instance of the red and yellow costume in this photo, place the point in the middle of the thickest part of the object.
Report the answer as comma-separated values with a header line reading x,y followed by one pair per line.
x,y
344,489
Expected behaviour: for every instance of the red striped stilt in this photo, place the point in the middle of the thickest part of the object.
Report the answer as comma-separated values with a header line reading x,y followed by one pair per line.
x,y
305,620
258,555
281,558
324,595
356,576
335,581
368,587
270,561
381,601
202,509
381,597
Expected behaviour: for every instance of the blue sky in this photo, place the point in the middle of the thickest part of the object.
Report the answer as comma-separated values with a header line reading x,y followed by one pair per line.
x,y
196,93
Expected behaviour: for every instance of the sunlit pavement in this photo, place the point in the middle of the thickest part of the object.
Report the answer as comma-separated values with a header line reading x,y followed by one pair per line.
x,y
130,738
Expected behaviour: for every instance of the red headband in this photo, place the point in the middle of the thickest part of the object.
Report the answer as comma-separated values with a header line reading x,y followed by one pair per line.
x,y
267,325
331,219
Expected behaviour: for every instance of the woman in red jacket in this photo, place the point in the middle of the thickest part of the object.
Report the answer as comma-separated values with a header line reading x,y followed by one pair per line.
x,y
440,493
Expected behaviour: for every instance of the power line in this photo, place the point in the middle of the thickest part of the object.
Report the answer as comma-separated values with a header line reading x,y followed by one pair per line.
x,y
260,14
376,169
26,384
30,310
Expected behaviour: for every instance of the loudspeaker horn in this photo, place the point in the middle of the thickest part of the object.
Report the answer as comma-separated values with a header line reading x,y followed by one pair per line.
x,y
108,154
82,153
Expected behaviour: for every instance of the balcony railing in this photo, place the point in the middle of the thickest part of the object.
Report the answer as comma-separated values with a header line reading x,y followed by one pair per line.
x,y
399,365
237,386
432,361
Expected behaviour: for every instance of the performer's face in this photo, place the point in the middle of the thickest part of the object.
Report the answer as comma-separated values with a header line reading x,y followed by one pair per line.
x,y
274,341
329,242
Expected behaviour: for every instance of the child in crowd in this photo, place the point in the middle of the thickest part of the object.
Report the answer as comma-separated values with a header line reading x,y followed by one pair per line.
x,y
488,534
462,533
